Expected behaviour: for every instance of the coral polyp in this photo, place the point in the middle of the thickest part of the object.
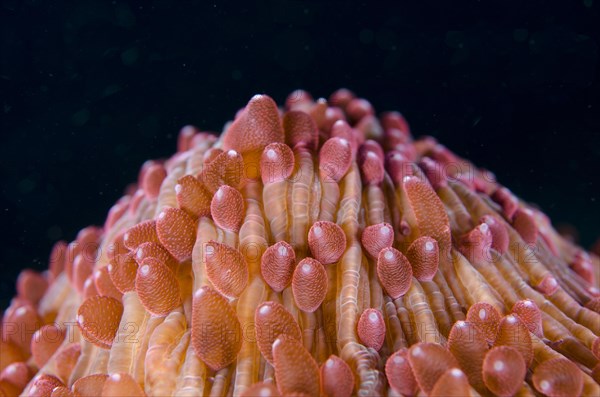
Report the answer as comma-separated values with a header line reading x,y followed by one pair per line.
x,y
312,249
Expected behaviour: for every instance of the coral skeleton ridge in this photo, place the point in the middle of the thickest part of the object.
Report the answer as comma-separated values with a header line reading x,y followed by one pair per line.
x,y
313,249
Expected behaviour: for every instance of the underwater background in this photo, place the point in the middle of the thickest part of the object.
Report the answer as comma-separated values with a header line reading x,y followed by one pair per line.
x,y
91,89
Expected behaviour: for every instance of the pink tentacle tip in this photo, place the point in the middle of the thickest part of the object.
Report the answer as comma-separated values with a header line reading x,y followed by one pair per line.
x,y
531,316
176,231
300,129
398,166
192,196
203,139
257,126
558,377
548,286
276,163
331,116
327,241
394,137
227,208
217,346
341,98
594,292
429,361
583,266
335,158
476,244
500,237
185,136
337,379
411,182
31,286
403,229
444,155
408,150
371,328
141,233
143,169
377,237
371,165
137,197
116,212
453,379
486,318
309,284
341,129
524,223
394,272
211,154
485,182
399,373
226,268
507,201
298,100
396,121
226,169
504,370
272,319
157,287
296,371
153,178
277,265
358,108
513,332
424,256
435,172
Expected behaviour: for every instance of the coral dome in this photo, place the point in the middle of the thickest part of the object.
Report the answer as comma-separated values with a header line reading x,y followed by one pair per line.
x,y
315,248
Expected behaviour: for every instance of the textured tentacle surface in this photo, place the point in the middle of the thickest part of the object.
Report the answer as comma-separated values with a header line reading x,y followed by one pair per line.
x,y
316,249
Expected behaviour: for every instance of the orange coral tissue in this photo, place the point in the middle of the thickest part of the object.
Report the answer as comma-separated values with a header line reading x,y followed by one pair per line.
x,y
310,249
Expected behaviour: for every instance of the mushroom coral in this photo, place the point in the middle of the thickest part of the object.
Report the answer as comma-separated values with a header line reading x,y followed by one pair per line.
x,y
313,249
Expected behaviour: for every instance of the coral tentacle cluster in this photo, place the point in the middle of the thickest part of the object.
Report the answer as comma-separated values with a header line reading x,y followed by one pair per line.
x,y
312,249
